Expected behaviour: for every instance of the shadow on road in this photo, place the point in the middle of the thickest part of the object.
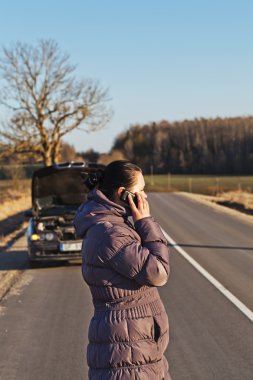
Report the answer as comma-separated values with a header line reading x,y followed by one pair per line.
x,y
12,223
18,259
52,264
11,241
11,259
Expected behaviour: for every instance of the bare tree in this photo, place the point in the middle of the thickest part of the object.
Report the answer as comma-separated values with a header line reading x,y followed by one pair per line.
x,y
68,152
46,101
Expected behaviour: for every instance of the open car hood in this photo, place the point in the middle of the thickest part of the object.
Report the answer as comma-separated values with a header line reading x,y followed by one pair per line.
x,y
59,189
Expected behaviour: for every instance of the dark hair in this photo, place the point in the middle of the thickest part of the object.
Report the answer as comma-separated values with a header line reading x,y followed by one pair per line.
x,y
117,173
93,178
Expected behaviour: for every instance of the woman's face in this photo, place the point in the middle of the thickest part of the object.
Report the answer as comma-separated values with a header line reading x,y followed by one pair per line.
x,y
139,185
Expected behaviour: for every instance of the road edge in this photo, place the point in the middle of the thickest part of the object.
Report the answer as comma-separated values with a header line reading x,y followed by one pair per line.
x,y
200,198
7,280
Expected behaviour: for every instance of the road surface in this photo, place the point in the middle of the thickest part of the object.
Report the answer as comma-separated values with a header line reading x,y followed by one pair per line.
x,y
44,321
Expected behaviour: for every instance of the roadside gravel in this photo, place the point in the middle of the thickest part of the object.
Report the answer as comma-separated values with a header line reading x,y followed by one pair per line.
x,y
7,280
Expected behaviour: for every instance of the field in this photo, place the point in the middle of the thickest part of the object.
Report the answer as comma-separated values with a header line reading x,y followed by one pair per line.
x,y
232,188
201,184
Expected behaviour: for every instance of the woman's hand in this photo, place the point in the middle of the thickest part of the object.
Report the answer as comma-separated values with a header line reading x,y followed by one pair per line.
x,y
142,211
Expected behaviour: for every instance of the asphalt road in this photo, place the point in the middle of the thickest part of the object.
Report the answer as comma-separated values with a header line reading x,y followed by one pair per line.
x,y
44,322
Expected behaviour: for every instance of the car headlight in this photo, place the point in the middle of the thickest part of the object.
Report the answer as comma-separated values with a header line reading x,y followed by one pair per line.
x,y
49,236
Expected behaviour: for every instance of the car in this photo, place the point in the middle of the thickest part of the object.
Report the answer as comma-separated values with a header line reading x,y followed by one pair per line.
x,y
57,192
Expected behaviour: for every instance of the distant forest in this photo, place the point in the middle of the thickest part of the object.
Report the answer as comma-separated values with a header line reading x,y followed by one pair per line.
x,y
222,146
199,146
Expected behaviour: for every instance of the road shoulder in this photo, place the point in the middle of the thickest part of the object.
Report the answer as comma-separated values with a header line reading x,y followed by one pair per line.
x,y
210,202
10,272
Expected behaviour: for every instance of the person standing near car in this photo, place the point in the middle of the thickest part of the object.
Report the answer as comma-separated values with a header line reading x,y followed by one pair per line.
x,y
123,263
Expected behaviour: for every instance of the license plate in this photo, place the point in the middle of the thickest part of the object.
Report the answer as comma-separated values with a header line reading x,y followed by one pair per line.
x,y
70,247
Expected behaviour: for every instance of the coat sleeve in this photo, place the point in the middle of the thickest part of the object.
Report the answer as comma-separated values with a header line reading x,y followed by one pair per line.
x,y
147,262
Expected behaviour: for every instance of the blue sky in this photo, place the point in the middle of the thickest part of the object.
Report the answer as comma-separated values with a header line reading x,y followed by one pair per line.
x,y
160,59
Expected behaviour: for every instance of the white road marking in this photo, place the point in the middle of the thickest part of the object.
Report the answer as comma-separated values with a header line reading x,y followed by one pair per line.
x,y
244,309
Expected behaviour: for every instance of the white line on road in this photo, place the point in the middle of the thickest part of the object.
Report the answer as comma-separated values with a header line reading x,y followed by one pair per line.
x,y
244,309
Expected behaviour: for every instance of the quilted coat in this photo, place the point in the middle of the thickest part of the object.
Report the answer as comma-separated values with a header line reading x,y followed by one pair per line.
x,y
122,264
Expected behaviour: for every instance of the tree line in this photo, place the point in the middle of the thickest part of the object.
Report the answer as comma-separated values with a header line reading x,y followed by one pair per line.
x,y
199,146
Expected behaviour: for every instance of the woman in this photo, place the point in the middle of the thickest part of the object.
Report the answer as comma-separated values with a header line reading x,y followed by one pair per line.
x,y
122,264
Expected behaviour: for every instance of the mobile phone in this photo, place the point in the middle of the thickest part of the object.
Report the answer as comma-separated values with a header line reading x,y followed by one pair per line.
x,y
124,197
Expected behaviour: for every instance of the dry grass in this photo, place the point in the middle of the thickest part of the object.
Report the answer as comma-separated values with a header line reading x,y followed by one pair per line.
x,y
241,197
15,197
16,203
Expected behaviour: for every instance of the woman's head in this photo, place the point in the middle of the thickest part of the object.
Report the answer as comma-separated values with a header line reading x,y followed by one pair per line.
x,y
120,175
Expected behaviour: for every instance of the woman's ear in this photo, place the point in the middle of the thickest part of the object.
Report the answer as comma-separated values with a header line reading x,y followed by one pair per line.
x,y
120,189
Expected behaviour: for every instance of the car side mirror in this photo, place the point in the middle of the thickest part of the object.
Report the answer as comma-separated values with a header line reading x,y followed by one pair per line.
x,y
28,213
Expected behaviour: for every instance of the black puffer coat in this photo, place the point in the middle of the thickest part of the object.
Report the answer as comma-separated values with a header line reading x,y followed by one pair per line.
x,y
123,264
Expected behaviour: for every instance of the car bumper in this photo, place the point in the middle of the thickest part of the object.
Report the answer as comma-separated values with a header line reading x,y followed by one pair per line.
x,y
37,251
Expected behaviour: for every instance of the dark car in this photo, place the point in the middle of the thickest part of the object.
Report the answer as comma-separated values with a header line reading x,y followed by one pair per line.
x,y
57,192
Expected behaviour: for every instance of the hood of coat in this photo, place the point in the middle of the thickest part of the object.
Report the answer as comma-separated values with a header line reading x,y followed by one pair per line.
x,y
98,208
